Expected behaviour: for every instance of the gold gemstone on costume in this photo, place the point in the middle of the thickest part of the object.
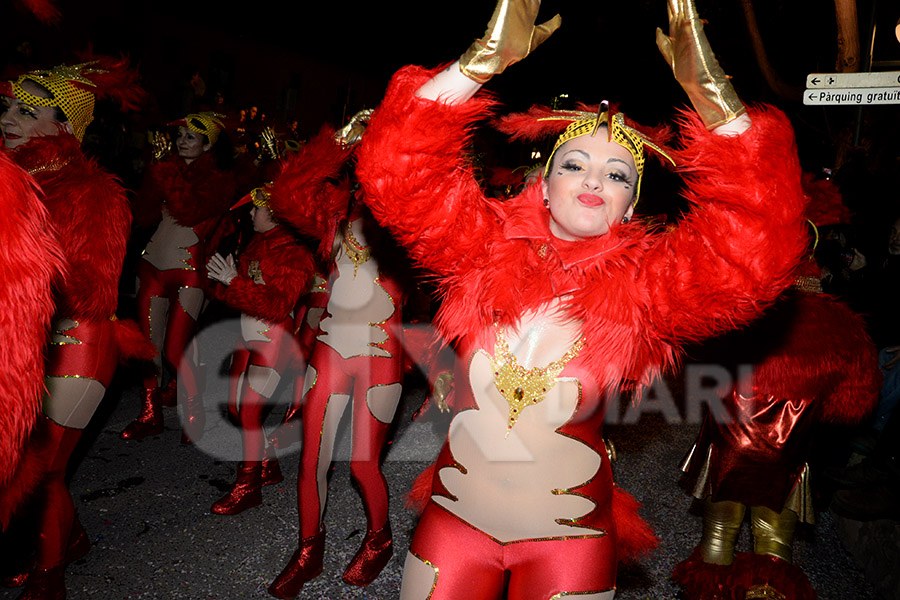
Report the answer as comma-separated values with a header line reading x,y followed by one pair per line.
x,y
356,252
255,273
764,591
523,387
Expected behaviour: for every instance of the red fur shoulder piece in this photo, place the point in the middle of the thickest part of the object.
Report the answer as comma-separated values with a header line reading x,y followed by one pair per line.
x,y
285,268
30,262
192,192
43,10
93,219
311,194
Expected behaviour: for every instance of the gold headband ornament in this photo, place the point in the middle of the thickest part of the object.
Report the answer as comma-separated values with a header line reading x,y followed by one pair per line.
x,y
75,88
540,121
205,123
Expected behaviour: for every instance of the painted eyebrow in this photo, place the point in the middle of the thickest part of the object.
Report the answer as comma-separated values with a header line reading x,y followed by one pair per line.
x,y
587,156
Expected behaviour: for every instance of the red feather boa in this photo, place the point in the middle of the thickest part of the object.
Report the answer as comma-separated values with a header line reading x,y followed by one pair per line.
x,y
30,262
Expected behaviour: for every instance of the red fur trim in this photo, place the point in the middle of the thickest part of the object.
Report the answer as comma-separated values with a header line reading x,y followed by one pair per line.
x,y
30,262
286,267
816,347
311,194
826,205
115,80
193,193
43,10
635,536
420,493
93,219
132,343
705,581
759,569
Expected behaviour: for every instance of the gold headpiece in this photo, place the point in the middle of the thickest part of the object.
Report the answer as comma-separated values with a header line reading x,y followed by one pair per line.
x,y
66,86
618,131
205,123
260,196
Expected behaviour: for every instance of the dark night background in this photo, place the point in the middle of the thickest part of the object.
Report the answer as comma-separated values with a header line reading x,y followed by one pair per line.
x,y
320,62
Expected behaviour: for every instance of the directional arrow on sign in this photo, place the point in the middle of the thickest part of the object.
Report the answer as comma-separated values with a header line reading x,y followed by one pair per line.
x,y
853,80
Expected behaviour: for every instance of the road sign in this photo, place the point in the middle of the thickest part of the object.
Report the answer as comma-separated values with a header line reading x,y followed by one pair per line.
x,y
853,80
853,96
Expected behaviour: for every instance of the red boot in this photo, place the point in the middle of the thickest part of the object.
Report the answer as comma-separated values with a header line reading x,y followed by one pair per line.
x,y
271,470
79,545
245,493
168,396
149,422
45,584
193,419
375,552
304,565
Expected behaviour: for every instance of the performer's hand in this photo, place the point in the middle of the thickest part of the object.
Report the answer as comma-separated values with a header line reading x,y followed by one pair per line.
x,y
160,144
443,384
511,36
268,144
688,52
221,269
352,132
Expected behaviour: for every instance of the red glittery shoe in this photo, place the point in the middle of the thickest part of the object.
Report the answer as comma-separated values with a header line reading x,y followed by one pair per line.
x,y
149,422
79,546
375,552
245,493
271,470
193,419
45,584
304,565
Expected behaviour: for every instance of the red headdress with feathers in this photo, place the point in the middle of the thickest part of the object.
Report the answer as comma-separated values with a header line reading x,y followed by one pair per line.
x,y
75,88
542,121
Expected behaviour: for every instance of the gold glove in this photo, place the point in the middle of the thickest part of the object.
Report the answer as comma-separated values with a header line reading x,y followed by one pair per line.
x,y
352,132
159,144
511,36
443,383
687,51
268,144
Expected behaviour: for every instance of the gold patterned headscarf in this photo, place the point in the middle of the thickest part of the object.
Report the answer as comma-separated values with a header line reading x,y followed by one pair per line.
x,y
76,102
205,123
618,131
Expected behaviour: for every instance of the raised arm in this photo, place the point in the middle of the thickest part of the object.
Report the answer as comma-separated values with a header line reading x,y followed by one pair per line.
x,y
412,162
735,252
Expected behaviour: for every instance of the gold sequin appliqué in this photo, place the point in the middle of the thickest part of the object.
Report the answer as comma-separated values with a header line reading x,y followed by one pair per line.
x,y
524,387
255,273
356,252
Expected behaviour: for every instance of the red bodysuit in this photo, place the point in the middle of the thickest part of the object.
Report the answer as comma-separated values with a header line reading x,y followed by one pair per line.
x,y
357,360
546,329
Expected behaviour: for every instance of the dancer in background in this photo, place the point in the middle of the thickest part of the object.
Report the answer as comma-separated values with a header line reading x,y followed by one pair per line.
x,y
558,298
357,361
265,284
193,192
812,361
43,126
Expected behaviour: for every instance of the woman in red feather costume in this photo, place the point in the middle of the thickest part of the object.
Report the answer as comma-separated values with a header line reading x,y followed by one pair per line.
x,y
357,361
193,196
557,298
42,129
266,285
812,361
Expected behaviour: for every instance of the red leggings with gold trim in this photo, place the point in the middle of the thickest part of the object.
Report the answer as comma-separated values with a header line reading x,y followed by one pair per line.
x,y
336,375
180,325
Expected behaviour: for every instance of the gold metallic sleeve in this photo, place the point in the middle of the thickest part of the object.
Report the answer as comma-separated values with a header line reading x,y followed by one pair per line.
x,y
688,52
511,36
